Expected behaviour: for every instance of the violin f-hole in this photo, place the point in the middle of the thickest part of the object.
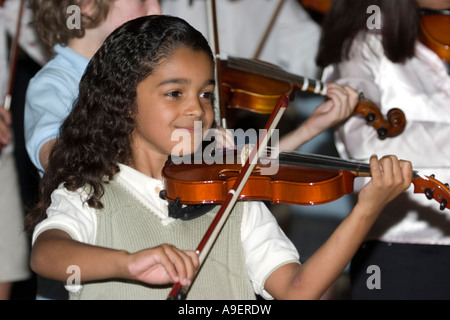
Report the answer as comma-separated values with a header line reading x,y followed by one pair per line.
x,y
226,172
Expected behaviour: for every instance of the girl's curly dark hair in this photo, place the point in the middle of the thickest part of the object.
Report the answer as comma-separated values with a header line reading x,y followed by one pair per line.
x,y
96,136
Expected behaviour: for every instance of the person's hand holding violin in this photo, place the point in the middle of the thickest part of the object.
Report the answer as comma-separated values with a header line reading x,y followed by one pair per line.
x,y
390,177
340,105
311,279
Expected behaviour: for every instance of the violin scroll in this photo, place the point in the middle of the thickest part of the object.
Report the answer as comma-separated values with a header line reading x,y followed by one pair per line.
x,y
433,189
392,126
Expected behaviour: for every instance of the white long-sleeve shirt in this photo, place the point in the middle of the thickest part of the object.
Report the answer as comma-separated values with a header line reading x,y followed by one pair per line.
x,y
421,89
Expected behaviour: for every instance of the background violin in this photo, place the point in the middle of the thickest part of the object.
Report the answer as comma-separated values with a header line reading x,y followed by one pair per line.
x,y
320,6
435,32
317,9
255,86
434,26
301,179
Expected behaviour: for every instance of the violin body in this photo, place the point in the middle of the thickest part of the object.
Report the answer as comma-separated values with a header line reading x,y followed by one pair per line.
x,y
320,6
435,32
300,185
250,91
255,86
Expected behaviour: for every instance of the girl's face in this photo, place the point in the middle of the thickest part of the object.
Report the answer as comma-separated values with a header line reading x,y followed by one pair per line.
x,y
173,101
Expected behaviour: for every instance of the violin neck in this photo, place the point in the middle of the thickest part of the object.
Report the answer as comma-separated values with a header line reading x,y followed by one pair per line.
x,y
324,162
271,71
327,162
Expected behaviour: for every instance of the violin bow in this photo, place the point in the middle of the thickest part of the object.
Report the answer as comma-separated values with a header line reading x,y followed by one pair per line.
x,y
13,61
178,291
213,35
13,58
268,29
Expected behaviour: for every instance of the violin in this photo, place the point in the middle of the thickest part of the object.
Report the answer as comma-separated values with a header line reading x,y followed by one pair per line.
x,y
301,179
320,6
255,86
435,31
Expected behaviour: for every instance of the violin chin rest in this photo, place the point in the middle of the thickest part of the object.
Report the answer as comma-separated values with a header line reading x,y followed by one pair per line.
x,y
186,212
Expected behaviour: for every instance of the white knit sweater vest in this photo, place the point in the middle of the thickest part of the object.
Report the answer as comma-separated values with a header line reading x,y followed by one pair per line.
x,y
125,223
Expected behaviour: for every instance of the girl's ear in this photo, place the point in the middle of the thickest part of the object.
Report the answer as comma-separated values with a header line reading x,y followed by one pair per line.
x,y
87,7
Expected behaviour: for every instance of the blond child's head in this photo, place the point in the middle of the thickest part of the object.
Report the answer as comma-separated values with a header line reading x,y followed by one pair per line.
x,y
51,17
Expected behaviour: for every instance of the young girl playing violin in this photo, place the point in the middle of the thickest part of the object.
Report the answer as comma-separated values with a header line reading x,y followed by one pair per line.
x,y
100,212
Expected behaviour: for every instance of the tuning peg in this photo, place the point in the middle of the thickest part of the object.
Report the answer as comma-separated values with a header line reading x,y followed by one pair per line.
x,y
443,204
382,132
370,117
447,186
429,194
433,176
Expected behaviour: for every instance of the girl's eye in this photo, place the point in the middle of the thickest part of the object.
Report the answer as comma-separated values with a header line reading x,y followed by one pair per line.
x,y
208,95
174,94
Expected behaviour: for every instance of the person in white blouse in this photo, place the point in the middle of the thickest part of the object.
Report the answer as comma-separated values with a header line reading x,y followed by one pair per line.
x,y
410,242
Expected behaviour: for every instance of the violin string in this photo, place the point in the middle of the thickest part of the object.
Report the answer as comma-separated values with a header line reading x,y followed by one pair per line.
x,y
268,70
322,161
261,68
298,158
